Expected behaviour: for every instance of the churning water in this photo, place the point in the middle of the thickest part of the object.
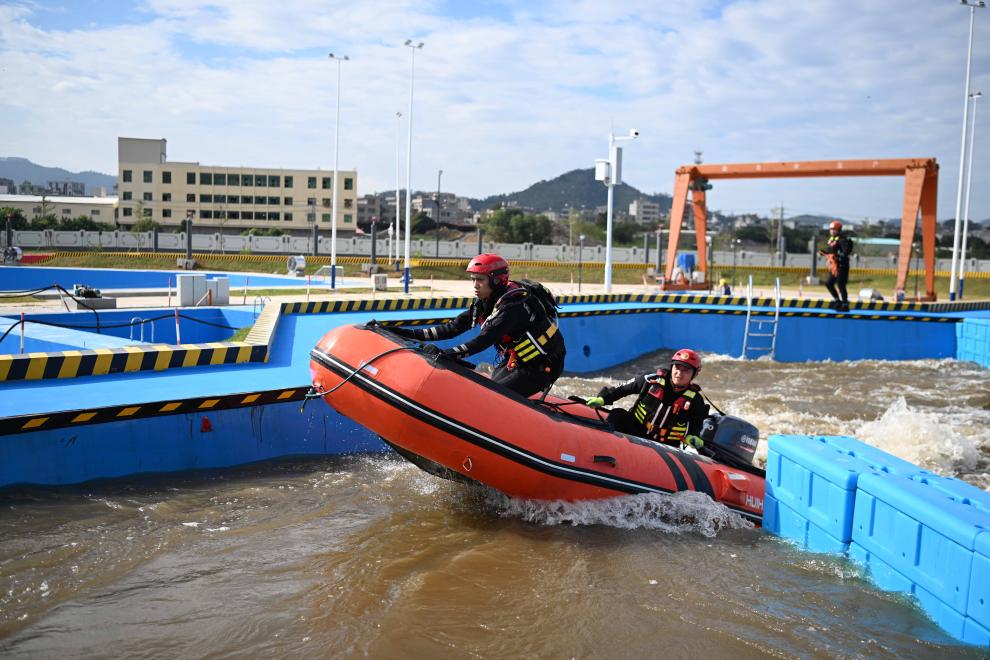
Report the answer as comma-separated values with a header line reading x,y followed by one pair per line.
x,y
370,556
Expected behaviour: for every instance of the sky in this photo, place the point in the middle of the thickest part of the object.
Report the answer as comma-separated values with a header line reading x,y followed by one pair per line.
x,y
508,93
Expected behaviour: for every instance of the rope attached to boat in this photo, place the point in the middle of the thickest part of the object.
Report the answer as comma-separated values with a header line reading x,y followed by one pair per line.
x,y
315,393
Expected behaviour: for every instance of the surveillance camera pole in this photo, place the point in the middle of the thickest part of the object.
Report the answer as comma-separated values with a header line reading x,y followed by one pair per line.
x,y
412,76
962,149
333,187
974,97
614,177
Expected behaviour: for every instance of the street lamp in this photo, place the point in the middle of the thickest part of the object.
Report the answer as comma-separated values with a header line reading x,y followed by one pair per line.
x,y
609,172
962,149
439,174
580,259
336,161
975,96
412,76
398,185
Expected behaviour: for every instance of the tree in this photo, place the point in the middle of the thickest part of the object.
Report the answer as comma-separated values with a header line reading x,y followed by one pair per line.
x,y
17,220
145,224
82,223
514,226
262,231
753,234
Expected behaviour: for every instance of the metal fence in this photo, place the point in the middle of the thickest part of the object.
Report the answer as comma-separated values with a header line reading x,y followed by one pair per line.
x,y
361,246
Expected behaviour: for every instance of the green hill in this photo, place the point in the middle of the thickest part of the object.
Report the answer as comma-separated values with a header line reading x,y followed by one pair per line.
x,y
574,189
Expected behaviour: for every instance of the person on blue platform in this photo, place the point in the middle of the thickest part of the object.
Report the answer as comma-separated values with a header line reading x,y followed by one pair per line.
x,y
837,252
669,407
517,318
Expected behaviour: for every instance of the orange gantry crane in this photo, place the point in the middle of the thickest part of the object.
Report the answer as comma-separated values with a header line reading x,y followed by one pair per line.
x,y
920,195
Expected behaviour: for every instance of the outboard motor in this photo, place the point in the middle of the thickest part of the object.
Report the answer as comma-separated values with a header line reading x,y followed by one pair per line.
x,y
730,440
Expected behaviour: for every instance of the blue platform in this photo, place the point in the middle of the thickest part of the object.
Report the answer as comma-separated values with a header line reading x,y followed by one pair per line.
x,y
915,532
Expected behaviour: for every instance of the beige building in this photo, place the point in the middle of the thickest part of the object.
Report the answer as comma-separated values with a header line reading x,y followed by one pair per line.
x,y
99,209
227,197
645,212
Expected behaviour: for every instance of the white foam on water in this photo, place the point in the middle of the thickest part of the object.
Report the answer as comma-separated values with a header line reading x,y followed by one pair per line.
x,y
932,440
683,512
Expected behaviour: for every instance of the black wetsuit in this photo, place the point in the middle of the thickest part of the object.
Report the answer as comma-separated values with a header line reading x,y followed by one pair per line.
x,y
514,321
660,412
838,249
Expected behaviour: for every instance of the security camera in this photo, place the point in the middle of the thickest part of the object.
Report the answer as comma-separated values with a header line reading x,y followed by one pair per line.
x,y
633,133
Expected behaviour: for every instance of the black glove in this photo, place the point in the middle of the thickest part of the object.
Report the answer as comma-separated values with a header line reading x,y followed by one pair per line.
x,y
431,351
372,324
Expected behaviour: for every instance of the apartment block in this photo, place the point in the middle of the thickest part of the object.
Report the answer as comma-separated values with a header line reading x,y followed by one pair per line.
x,y
150,186
645,212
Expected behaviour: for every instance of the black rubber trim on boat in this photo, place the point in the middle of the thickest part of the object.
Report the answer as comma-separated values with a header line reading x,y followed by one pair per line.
x,y
507,450
481,439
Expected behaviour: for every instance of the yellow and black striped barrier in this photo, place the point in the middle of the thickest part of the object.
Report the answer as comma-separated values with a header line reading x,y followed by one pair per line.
x,y
75,418
129,359
72,364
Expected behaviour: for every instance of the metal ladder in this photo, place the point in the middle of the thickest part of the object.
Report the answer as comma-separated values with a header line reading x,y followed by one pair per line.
x,y
761,327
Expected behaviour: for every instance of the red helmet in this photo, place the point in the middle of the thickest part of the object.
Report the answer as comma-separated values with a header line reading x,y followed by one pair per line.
x,y
836,225
492,265
688,358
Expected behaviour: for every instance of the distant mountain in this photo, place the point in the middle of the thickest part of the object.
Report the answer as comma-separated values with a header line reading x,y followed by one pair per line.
x,y
20,169
574,189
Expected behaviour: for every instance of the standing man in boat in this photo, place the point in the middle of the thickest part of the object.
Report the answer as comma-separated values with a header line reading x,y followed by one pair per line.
x,y
517,318
837,251
669,408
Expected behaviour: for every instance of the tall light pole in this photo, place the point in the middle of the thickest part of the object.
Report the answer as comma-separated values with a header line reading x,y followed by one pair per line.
x,y
412,76
340,59
439,174
975,96
962,149
610,173
580,259
398,186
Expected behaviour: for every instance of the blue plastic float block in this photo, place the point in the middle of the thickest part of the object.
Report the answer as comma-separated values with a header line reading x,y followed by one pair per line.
x,y
814,478
978,608
880,572
973,341
788,523
926,529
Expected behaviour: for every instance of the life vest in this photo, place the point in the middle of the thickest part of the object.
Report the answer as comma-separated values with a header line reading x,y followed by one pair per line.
x,y
835,256
540,341
665,422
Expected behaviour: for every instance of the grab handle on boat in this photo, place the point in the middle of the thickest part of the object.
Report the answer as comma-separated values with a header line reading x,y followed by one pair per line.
x,y
605,459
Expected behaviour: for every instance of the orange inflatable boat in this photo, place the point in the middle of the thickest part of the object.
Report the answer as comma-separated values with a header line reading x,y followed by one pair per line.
x,y
451,421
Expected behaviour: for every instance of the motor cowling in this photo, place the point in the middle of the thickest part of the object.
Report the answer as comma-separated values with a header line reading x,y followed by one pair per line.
x,y
730,439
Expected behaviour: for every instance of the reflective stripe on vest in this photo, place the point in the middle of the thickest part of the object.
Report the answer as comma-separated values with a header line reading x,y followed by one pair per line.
x,y
529,347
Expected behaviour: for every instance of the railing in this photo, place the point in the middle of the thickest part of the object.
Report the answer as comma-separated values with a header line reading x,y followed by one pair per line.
x,y
258,305
140,323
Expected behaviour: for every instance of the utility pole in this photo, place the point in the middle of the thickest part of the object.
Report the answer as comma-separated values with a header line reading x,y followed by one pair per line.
x,y
778,238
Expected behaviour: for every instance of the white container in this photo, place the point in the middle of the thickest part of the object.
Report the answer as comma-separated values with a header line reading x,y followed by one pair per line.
x,y
191,288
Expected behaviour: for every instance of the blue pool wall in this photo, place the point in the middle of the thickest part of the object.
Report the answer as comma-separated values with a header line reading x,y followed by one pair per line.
x,y
82,334
600,342
912,531
178,442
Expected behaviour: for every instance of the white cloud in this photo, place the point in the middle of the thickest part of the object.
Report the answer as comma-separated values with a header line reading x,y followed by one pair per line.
x,y
511,94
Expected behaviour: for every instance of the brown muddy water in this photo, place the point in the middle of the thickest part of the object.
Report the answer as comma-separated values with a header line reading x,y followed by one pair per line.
x,y
368,556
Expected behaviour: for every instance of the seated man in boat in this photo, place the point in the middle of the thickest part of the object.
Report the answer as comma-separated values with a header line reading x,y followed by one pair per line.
x,y
669,408
518,318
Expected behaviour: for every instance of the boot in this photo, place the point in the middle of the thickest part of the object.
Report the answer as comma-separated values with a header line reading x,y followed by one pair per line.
x,y
833,304
844,306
